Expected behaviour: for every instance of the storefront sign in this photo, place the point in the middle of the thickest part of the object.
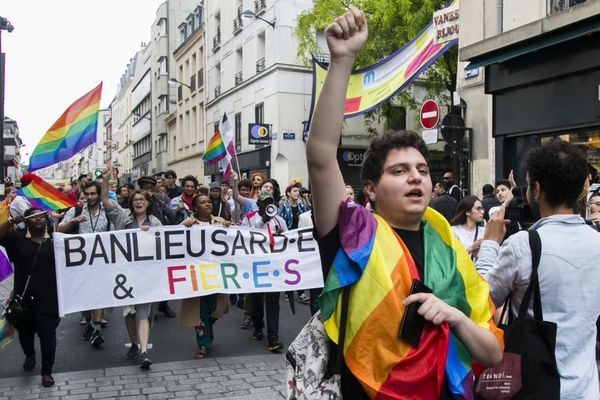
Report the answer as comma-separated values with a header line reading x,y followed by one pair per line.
x,y
348,157
258,133
446,24
132,266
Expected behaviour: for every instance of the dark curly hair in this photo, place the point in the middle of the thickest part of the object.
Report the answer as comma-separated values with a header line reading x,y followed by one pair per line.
x,y
376,154
561,170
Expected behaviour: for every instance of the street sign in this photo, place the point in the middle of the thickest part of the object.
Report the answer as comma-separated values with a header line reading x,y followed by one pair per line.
x,y
429,115
430,136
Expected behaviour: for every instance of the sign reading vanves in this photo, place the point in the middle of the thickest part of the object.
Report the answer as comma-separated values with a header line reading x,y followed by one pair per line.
x,y
446,24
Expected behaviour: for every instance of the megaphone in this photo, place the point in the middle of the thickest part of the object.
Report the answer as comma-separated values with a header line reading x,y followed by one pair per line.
x,y
271,210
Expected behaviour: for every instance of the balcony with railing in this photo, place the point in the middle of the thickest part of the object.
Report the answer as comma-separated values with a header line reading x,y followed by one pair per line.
x,y
260,65
237,25
217,40
554,6
217,91
238,78
260,6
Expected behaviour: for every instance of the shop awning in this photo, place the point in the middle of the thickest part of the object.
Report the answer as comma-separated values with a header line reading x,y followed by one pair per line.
x,y
539,42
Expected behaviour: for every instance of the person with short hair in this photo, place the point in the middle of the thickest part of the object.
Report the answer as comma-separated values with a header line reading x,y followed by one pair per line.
x,y
503,193
488,200
593,206
32,252
291,208
182,204
568,266
372,259
171,182
443,202
453,189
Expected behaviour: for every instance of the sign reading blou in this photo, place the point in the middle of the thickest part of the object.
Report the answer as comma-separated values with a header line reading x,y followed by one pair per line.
x,y
258,133
446,24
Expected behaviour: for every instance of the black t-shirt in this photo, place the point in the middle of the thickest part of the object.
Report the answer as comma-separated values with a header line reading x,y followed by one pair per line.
x,y
174,191
328,247
42,286
295,217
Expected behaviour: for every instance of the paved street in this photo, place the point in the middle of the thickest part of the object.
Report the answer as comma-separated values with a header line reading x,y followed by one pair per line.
x,y
237,367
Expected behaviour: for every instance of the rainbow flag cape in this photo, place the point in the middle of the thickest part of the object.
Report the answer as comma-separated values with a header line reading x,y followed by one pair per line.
x,y
41,194
215,150
376,262
72,131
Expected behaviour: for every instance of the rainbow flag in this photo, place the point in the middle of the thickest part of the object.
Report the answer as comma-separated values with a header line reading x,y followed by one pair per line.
x,y
72,131
41,194
215,150
376,262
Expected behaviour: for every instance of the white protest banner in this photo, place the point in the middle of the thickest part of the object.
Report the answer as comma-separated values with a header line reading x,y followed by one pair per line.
x,y
173,262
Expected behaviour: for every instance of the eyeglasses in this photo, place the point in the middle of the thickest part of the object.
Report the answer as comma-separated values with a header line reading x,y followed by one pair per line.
x,y
139,200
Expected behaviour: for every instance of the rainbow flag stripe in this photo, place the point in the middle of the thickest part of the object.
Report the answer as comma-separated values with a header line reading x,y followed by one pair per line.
x,y
215,150
41,194
74,130
376,262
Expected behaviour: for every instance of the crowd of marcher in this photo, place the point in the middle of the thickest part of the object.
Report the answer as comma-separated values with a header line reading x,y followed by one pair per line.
x,y
468,254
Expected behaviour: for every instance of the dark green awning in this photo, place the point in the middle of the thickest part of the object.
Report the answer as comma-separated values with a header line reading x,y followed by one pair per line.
x,y
539,42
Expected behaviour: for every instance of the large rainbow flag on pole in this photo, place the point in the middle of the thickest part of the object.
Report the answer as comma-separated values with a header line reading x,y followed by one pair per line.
x,y
74,130
221,148
41,194
374,260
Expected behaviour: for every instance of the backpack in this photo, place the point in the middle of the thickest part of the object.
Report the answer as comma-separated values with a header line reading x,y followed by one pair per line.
x,y
75,228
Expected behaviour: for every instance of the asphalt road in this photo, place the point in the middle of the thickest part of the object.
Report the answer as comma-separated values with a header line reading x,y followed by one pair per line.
x,y
170,341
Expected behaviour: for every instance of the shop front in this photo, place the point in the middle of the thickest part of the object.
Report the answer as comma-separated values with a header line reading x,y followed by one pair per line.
x,y
551,91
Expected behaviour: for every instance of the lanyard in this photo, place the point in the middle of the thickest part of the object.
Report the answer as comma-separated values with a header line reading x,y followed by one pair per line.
x,y
92,224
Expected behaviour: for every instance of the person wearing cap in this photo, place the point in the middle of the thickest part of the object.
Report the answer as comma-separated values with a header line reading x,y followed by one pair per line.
x,y
160,208
292,207
220,208
274,225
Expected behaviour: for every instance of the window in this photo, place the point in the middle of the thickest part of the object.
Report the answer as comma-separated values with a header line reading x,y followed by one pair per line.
x,y
162,65
198,15
162,27
182,32
238,132
191,23
259,113
163,104
398,118
216,127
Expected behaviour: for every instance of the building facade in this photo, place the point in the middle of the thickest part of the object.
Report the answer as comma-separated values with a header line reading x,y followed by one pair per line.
x,y
185,124
533,75
12,151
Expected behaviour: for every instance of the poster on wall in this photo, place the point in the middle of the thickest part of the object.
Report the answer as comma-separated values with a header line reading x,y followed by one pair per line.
x,y
258,133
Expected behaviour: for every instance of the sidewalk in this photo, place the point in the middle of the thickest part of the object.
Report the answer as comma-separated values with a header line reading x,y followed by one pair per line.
x,y
260,377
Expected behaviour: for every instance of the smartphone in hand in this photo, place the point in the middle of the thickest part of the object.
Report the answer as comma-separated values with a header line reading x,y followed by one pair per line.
x,y
412,322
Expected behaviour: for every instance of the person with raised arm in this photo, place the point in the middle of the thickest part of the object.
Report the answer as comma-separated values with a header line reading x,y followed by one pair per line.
x,y
373,259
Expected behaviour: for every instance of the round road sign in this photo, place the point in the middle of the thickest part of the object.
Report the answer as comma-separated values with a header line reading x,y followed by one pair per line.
x,y
429,115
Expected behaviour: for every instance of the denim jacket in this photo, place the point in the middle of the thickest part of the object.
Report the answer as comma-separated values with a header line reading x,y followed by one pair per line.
x,y
285,212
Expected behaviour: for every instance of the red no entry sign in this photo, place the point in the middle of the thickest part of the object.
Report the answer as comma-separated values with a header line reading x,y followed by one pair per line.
x,y
429,115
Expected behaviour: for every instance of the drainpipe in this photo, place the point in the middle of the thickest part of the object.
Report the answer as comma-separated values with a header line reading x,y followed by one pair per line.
x,y
499,12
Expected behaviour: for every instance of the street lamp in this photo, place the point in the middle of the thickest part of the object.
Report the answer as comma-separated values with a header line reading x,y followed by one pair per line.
x,y
250,15
174,81
5,25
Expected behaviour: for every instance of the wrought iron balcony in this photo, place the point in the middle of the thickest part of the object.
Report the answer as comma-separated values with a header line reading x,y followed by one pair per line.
x,y
260,65
238,78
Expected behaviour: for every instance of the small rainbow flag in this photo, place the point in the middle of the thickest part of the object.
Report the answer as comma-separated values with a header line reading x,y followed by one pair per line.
x,y
373,259
215,150
74,130
41,194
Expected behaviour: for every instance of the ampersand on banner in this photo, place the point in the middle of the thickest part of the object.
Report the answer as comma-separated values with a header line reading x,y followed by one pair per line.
x,y
120,281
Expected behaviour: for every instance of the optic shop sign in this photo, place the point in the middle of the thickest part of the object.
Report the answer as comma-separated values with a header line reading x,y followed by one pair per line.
x,y
446,24
258,134
132,266
348,157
